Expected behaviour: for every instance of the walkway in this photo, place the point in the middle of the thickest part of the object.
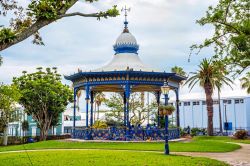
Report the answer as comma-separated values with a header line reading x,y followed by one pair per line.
x,y
240,157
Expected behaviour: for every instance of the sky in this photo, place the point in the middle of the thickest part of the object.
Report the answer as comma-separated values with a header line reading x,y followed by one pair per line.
x,y
164,29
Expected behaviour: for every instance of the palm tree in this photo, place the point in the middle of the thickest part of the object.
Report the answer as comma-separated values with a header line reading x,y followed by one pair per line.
x,y
207,76
99,98
245,82
221,68
178,70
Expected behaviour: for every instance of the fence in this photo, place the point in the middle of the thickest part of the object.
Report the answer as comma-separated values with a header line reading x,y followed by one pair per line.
x,y
128,135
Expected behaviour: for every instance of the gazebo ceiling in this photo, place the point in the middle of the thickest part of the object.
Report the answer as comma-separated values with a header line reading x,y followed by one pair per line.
x,y
119,88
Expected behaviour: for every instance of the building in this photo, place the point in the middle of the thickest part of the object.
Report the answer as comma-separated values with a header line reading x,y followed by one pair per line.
x,y
15,128
234,110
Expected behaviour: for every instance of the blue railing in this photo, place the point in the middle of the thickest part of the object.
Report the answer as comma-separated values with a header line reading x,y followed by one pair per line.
x,y
126,135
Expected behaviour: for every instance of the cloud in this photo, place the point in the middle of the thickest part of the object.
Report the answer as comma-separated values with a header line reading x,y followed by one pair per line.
x,y
164,29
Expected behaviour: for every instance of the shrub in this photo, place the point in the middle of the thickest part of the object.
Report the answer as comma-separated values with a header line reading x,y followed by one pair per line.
x,y
166,110
100,125
182,132
12,140
198,131
241,134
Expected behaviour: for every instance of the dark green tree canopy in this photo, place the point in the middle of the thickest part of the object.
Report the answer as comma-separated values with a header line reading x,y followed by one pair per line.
x,y
231,38
27,21
44,97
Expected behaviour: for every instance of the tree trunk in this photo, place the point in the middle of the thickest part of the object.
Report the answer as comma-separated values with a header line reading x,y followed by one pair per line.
x,y
98,112
220,112
5,135
209,100
43,132
95,113
36,27
6,132
27,33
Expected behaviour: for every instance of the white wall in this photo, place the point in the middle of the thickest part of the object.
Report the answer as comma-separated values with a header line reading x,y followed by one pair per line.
x,y
196,115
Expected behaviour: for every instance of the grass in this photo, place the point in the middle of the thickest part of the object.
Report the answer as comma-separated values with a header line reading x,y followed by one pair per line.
x,y
198,144
222,138
101,157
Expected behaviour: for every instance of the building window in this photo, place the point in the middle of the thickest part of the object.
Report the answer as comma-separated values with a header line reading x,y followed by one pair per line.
x,y
203,102
215,102
238,101
179,103
227,101
186,103
196,103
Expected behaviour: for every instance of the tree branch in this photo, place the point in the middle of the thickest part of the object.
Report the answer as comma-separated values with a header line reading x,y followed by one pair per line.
x,y
227,24
80,14
26,33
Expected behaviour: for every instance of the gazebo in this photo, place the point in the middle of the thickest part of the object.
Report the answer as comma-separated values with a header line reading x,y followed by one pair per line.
x,y
124,74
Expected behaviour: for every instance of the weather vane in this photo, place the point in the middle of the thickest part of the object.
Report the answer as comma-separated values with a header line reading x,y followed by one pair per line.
x,y
126,10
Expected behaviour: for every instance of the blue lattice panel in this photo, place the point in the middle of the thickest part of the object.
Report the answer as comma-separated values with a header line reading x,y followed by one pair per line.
x,y
129,135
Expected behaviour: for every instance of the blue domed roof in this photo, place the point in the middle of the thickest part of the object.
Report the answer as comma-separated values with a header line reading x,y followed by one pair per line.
x,y
126,43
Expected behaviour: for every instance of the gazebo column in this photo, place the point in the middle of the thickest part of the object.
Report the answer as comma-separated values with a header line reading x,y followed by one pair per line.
x,y
177,108
87,105
127,93
125,108
74,113
158,95
91,107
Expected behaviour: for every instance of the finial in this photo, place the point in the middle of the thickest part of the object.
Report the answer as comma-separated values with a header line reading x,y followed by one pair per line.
x,y
126,10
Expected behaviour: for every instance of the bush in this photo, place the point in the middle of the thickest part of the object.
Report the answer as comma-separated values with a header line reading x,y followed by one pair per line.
x,y
182,132
100,125
21,140
198,131
241,134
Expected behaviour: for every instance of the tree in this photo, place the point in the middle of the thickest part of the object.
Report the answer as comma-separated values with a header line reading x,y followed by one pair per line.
x,y
116,109
222,75
178,70
138,110
9,96
44,97
231,38
39,13
245,82
99,99
207,76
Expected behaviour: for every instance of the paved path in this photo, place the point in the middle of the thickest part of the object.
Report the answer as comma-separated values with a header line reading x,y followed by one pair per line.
x,y
240,157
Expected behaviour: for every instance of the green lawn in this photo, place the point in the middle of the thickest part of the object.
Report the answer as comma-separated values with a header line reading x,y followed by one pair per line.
x,y
102,157
222,138
199,144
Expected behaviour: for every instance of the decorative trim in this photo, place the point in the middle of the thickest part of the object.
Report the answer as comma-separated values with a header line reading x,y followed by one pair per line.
x,y
126,48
